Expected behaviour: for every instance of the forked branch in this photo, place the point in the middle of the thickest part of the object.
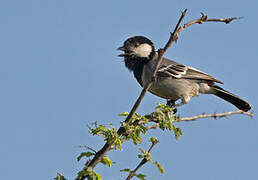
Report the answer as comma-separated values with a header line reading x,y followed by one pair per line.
x,y
144,160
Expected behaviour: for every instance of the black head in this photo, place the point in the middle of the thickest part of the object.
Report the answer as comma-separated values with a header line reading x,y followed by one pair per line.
x,y
137,47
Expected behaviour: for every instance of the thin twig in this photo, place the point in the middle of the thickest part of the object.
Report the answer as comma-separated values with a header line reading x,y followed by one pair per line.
x,y
204,18
87,147
201,116
214,115
144,160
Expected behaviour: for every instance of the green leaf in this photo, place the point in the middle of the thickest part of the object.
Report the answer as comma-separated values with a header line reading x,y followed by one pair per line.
x,y
106,161
125,170
120,145
89,171
177,132
140,156
153,139
60,177
98,177
145,155
160,168
134,139
82,173
141,176
87,154
124,114
180,131
102,128
143,151
143,129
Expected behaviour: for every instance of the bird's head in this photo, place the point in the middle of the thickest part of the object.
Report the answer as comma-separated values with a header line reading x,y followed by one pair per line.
x,y
137,47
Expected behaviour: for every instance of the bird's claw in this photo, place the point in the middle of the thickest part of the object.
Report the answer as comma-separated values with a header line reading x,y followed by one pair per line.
x,y
172,105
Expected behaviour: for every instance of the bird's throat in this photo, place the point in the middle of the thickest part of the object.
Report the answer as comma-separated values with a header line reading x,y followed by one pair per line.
x,y
136,65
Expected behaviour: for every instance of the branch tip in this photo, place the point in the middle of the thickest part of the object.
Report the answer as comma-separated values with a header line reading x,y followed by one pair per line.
x,y
144,160
184,12
228,20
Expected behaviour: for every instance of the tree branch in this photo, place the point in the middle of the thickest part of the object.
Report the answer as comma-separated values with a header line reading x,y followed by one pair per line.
x,y
173,38
204,18
144,160
214,115
201,116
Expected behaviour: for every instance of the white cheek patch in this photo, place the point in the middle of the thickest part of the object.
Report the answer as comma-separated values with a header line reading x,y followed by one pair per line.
x,y
143,50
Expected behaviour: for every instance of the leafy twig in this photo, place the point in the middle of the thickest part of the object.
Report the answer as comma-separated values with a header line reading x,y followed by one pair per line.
x,y
144,160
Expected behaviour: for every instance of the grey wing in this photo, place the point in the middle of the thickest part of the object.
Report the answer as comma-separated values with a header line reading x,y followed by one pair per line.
x,y
173,69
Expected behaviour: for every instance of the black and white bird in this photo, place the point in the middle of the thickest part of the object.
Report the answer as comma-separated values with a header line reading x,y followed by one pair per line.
x,y
174,81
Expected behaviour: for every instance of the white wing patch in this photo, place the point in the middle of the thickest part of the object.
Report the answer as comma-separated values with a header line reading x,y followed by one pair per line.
x,y
173,70
164,68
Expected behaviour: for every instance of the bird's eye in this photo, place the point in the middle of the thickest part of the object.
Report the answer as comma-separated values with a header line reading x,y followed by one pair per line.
x,y
136,45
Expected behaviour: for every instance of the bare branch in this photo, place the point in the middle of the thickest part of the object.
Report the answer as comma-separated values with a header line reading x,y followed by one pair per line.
x,y
227,21
204,18
144,160
201,116
214,115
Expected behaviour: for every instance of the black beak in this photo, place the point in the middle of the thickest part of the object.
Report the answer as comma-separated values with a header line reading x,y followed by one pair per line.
x,y
122,49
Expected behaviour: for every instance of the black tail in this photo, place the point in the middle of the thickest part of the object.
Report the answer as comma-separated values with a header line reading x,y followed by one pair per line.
x,y
233,99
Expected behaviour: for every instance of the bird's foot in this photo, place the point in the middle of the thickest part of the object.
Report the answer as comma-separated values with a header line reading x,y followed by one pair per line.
x,y
172,105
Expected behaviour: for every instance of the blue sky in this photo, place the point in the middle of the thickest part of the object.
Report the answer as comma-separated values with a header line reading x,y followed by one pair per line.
x,y
59,71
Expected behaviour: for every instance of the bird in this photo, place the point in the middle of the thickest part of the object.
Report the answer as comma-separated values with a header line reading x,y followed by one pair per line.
x,y
174,81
